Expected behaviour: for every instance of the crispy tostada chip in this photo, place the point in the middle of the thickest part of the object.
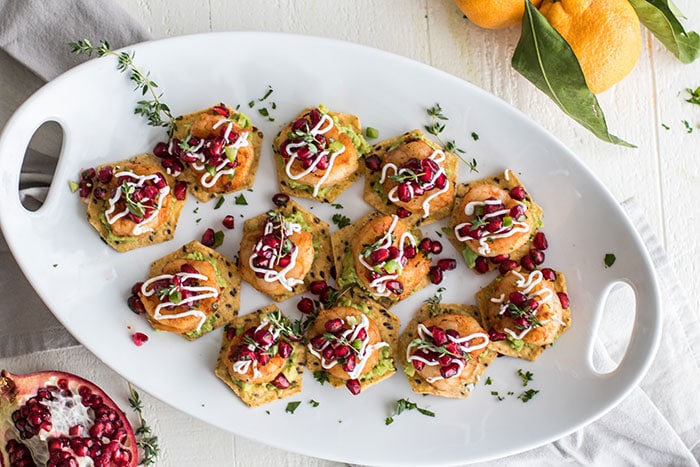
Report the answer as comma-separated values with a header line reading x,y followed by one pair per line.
x,y
200,287
534,327
318,154
460,318
489,234
310,259
400,162
249,341
133,203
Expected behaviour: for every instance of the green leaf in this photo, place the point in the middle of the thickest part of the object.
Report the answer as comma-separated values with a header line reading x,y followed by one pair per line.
x,y
609,259
292,406
547,61
659,18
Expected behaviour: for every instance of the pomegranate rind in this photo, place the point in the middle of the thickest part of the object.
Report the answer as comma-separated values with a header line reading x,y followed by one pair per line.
x,y
528,351
184,122
306,191
322,263
229,301
15,390
534,216
388,325
347,276
461,387
255,395
162,233
374,193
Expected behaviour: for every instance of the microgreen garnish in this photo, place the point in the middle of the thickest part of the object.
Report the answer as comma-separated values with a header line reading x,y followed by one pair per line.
x,y
526,376
406,175
527,395
291,330
292,406
146,441
368,249
240,200
405,404
515,311
434,302
267,93
172,293
441,350
321,376
154,110
219,202
313,403
694,95
341,220
435,128
609,259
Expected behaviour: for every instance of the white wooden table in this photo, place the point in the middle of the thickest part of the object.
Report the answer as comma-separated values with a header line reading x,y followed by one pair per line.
x,y
663,174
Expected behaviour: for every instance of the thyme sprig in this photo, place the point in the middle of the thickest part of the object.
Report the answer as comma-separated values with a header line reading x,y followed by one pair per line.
x,y
154,110
441,350
291,330
406,175
434,302
436,127
146,440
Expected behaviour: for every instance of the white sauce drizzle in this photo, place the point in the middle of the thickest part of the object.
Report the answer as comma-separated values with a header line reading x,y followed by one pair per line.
x,y
207,179
503,232
271,275
424,333
199,293
362,354
242,366
293,147
438,156
526,285
140,180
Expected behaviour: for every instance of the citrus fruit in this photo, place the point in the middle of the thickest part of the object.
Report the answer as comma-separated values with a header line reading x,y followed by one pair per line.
x,y
494,14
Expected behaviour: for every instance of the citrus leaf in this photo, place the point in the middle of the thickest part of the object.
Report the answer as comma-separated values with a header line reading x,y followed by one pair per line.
x,y
547,61
659,17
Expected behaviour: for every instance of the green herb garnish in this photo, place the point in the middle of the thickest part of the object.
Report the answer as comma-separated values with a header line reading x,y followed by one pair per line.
x,y
609,259
435,128
240,200
219,202
526,376
694,95
434,302
341,220
321,376
292,406
527,395
145,439
405,404
313,403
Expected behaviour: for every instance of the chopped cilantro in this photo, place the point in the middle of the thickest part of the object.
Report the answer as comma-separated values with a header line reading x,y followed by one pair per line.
x,y
337,205
688,127
694,95
241,201
267,412
527,395
665,127
321,376
292,406
475,136
55,265
609,259
405,404
341,220
219,202
526,376
489,381
198,220
313,403
499,397
251,104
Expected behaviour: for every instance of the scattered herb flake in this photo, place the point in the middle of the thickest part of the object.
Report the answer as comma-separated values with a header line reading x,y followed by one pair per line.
x,y
337,205
146,441
526,376
694,95
218,239
195,210
267,412
495,394
489,381
219,202
688,127
435,128
405,404
321,376
292,406
665,127
241,201
251,104
475,136
527,395
609,259
341,220
198,220
314,403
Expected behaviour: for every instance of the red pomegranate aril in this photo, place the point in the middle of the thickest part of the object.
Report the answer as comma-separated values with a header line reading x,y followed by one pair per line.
x,y
306,306
409,251
517,298
481,265
327,295
150,192
563,299
88,174
516,212
494,225
527,263
507,265
403,191
521,322
350,363
221,110
216,146
161,150
425,245
284,349
537,256
245,355
228,222
341,351
317,287
464,231
284,261
450,370
532,304
139,338
418,364
318,342
496,336
300,125
394,287
328,353
453,348
540,241
549,274
498,259
447,264
208,238
180,191
263,358
135,304
361,334
435,274
403,212
435,247
315,116
439,335
373,162
263,337
280,199
353,386
441,181
518,193
379,256
105,174
281,382
334,325
323,163
444,359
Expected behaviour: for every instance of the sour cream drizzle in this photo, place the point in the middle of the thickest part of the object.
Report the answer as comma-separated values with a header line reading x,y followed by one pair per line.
x,y
462,342
271,275
438,156
198,293
140,181
242,366
378,285
207,179
293,147
526,285
362,354
503,232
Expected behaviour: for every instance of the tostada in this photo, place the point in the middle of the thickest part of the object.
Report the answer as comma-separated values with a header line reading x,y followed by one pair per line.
x,y
262,357
411,176
284,250
219,148
525,312
317,154
132,203
190,292
444,350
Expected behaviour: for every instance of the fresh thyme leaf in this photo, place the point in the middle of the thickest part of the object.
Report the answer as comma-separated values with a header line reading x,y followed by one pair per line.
x,y
341,220
147,441
292,406
321,376
435,128
434,302
240,200
219,202
527,395
609,259
526,376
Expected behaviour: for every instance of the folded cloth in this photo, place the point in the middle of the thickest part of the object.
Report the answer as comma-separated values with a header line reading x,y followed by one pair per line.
x,y
36,33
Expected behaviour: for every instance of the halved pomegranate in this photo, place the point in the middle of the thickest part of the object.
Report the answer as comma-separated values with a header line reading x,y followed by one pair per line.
x,y
54,418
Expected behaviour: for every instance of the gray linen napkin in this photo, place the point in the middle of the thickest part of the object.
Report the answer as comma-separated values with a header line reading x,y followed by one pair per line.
x,y
36,34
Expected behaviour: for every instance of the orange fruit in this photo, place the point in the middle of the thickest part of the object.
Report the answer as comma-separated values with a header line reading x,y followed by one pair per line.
x,y
494,14
605,36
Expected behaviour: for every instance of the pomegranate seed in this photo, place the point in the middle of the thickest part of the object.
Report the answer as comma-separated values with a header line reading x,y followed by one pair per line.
x,y
317,287
549,274
281,381
481,265
532,304
228,222
418,364
221,110
105,174
161,150
540,241
353,386
341,351
318,342
379,256
498,259
441,181
327,295
284,349
518,193
425,245
527,263
395,287
334,325
306,305
447,264
516,212
403,191
403,213
136,305
230,333
564,299
494,225
435,274
517,298
139,338
439,335
328,353
362,334
262,357
263,337
315,116
284,261
450,370
436,247
521,322
245,355
507,265
322,163
409,252
88,174
537,256
373,162
350,363
208,238
280,199
180,190
301,124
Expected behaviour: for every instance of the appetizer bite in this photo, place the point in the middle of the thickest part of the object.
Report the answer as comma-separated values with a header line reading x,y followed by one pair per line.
x,y
219,149
383,256
132,203
411,176
262,358
353,344
317,154
494,222
444,350
190,292
284,250
525,312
